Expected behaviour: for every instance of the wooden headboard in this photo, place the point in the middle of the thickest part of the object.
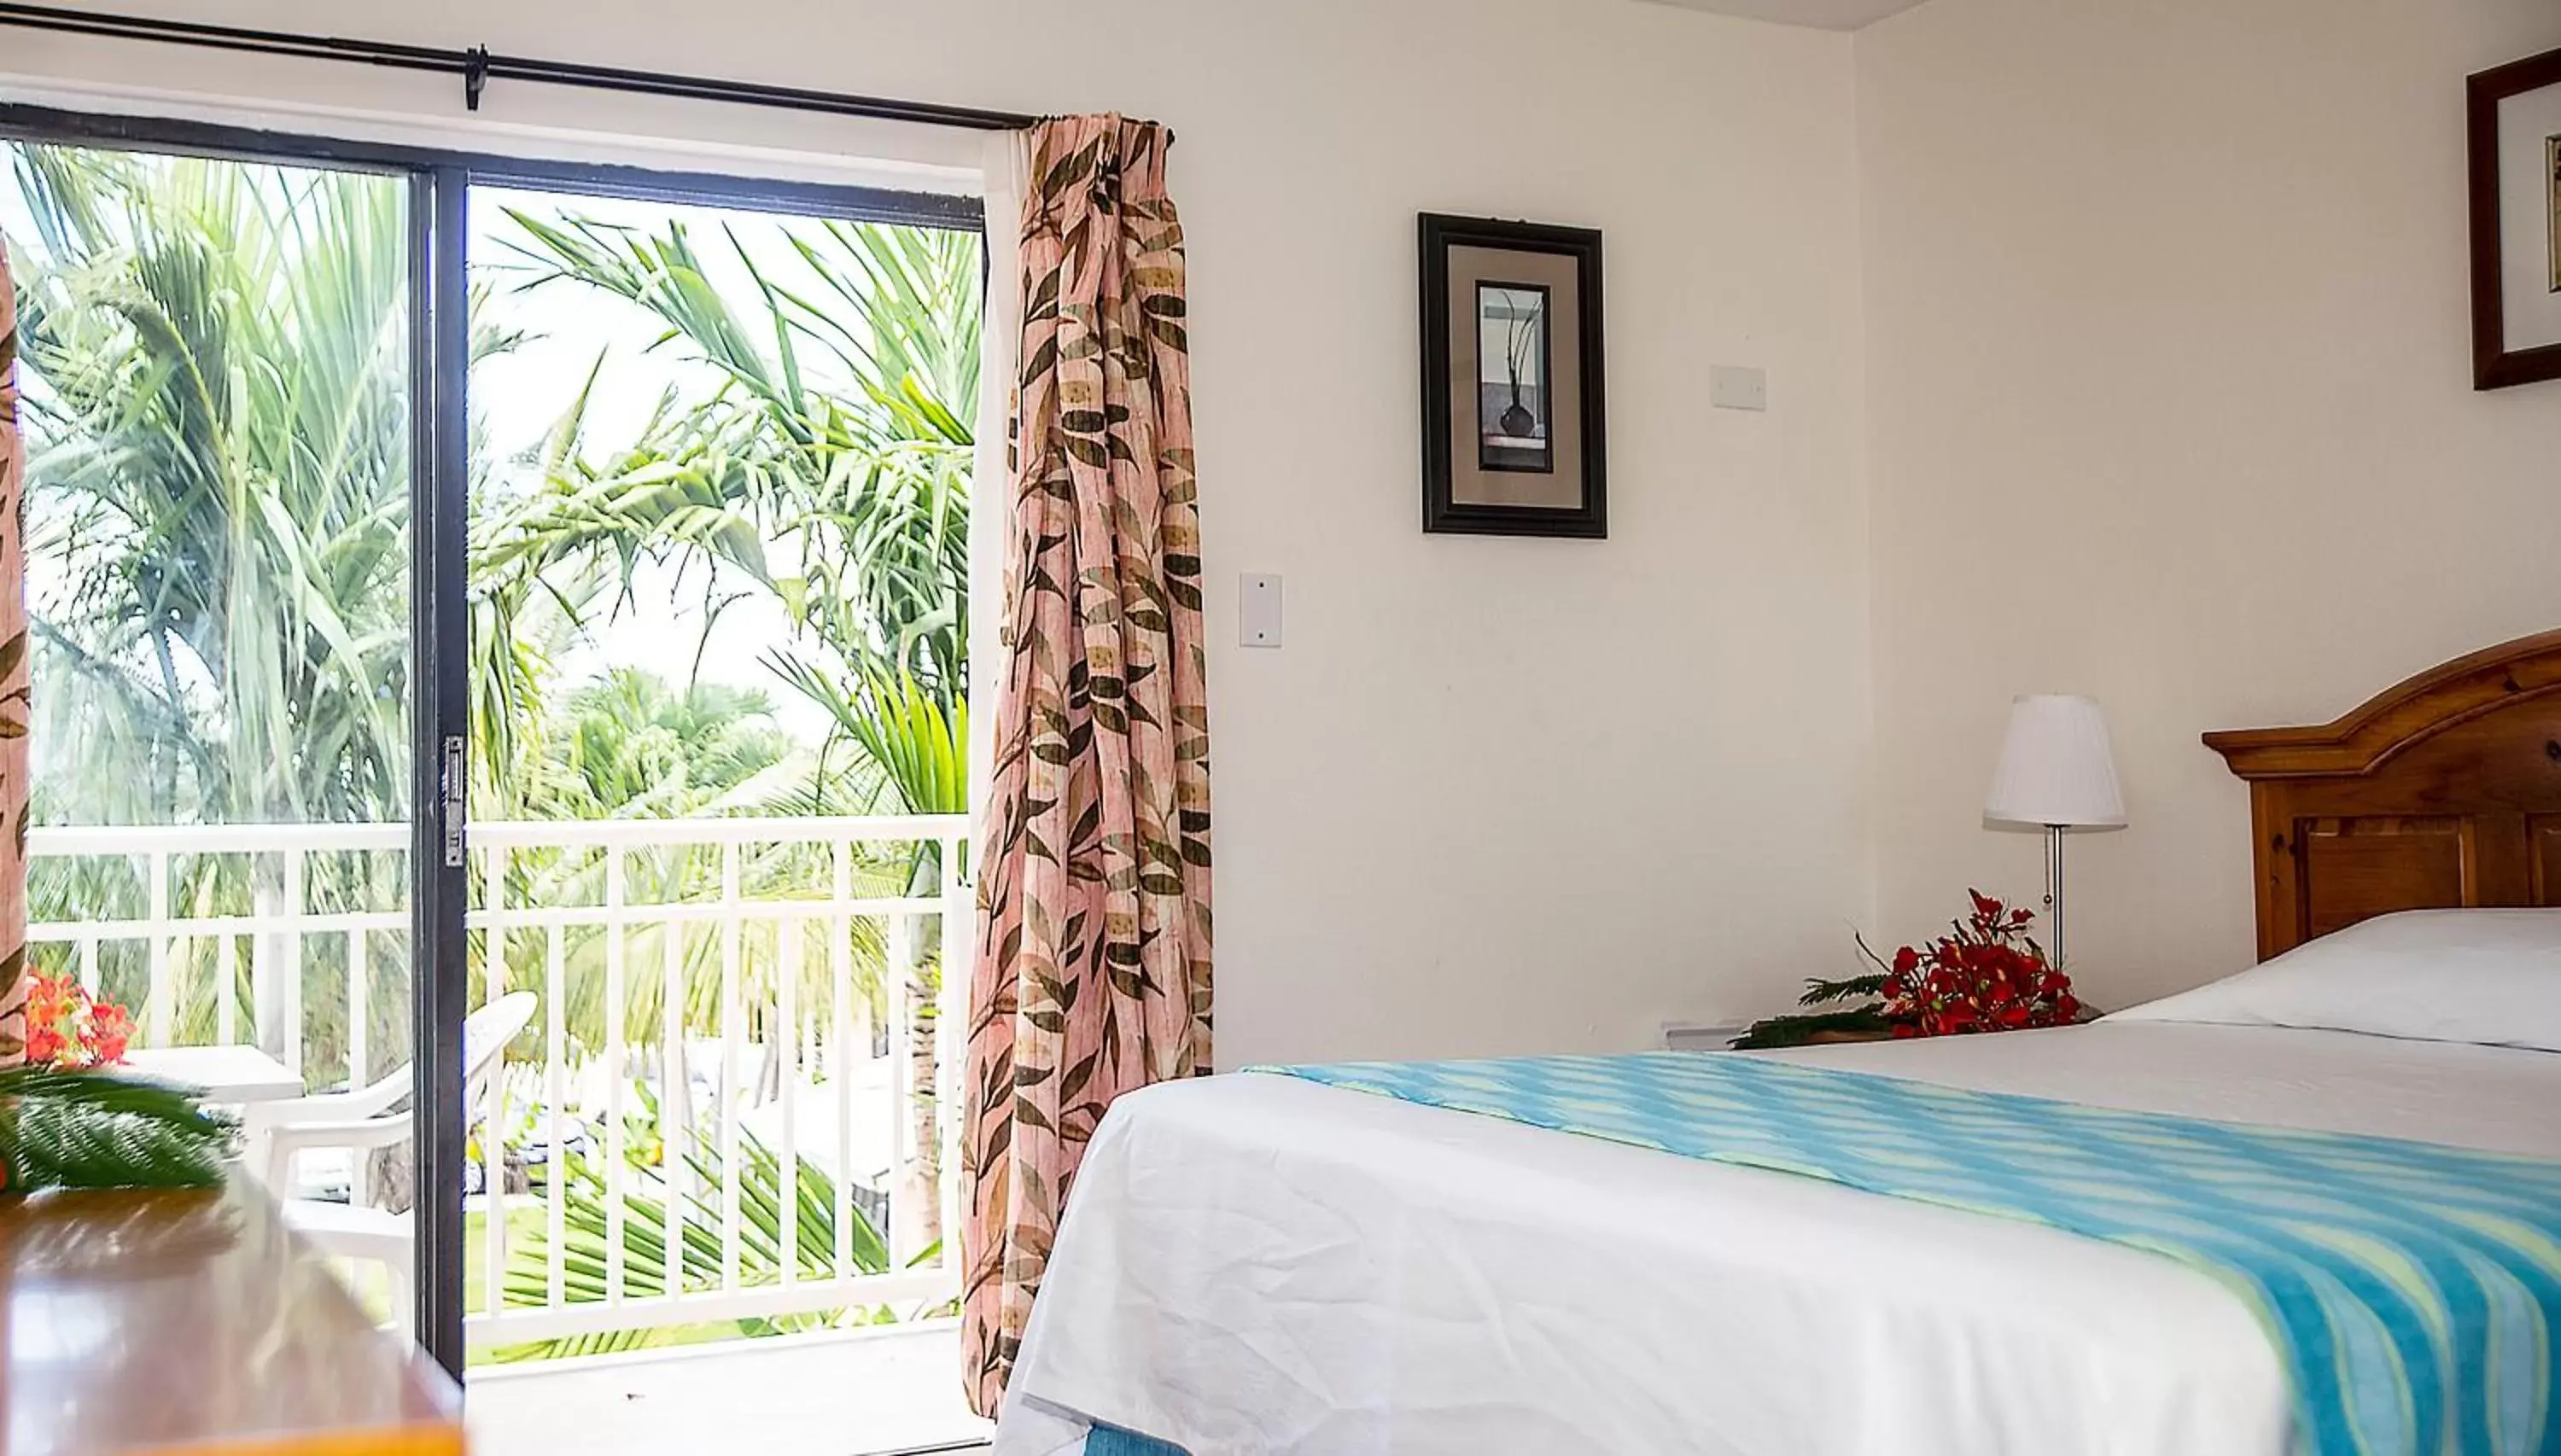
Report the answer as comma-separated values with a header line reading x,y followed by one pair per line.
x,y
2442,791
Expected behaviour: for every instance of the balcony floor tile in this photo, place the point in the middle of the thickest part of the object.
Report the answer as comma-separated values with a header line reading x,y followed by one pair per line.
x,y
853,1394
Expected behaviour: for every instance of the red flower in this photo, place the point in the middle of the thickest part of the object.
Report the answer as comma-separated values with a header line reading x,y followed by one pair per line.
x,y
1986,976
109,1030
66,1028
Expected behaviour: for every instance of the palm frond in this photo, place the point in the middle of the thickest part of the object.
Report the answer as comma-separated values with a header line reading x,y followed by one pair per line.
x,y
99,1130
586,1224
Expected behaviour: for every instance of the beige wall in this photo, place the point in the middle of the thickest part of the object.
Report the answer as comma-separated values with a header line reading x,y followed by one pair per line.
x,y
1492,795
2170,405
2161,371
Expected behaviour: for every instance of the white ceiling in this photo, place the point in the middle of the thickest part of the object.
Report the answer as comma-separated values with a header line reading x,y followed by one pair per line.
x,y
1837,15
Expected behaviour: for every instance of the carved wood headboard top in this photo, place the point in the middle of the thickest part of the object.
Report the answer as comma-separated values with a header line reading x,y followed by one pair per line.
x,y
2444,790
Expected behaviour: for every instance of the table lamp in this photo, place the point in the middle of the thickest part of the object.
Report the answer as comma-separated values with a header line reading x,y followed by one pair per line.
x,y
2056,774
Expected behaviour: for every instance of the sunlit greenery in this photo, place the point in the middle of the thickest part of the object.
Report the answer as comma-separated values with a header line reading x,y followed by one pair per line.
x,y
586,1224
217,402
869,484
865,488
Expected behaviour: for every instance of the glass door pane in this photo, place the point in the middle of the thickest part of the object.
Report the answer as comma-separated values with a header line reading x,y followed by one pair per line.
x,y
217,371
720,585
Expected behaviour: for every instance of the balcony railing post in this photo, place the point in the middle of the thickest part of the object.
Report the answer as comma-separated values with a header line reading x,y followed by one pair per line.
x,y
906,1216
733,949
226,988
554,1103
292,962
784,1037
675,1099
845,1057
617,1168
360,1008
266,1009
155,1032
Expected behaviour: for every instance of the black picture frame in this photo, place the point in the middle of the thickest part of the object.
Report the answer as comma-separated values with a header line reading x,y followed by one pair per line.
x,y
1589,519
2496,366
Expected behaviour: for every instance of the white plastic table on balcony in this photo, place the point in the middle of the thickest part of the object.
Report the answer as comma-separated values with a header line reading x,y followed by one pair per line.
x,y
229,1075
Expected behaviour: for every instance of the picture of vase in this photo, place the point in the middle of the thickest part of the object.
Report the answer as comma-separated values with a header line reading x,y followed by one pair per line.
x,y
1514,431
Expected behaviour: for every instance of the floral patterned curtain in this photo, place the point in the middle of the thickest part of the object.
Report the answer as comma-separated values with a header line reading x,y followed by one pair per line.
x,y
13,694
1093,972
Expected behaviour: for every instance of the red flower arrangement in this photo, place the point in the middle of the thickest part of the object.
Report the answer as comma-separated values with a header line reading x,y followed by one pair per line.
x,y
70,1031
1988,976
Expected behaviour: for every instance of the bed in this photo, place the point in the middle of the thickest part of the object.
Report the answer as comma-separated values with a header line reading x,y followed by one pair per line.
x,y
1268,1264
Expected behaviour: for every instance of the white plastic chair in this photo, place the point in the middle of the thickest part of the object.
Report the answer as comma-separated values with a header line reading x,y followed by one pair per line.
x,y
376,1116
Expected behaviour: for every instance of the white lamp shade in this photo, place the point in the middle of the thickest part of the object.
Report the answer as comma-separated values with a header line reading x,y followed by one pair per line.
x,y
2055,766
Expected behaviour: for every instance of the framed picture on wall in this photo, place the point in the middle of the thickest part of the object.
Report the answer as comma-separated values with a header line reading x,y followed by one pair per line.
x,y
1513,435
2515,124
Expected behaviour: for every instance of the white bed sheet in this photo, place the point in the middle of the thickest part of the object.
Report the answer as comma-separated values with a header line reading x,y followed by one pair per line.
x,y
1263,1264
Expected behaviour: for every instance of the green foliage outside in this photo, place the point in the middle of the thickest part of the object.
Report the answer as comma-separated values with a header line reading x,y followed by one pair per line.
x,y
217,362
586,1226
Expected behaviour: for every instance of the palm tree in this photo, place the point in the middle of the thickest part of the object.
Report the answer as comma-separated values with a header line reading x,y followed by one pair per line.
x,y
218,397
629,746
221,418
217,404
840,426
848,436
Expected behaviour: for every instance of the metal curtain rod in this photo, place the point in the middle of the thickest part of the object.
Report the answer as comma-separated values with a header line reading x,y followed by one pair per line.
x,y
478,66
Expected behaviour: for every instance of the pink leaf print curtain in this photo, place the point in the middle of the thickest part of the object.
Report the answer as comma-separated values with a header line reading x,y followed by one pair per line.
x,y
13,693
1093,972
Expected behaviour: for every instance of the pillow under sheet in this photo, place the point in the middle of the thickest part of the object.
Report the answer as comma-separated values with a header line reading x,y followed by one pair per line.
x,y
2488,977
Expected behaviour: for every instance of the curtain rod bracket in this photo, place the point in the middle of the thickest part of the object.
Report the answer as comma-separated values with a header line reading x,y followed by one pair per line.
x,y
475,75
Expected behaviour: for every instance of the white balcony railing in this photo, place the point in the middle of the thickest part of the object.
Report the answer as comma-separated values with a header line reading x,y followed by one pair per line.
x,y
720,1112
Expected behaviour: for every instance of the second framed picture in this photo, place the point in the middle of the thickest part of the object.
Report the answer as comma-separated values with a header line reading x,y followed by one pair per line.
x,y
2515,125
1514,438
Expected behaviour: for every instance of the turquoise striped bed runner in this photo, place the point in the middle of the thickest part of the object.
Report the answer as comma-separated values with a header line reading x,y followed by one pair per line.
x,y
2412,1290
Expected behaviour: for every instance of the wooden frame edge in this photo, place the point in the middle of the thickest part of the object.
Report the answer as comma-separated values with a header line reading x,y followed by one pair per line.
x,y
2410,712
1438,232
2495,365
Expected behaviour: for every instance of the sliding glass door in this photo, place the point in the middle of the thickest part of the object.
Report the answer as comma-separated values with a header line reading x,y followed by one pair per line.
x,y
629,509
219,406
225,406
721,585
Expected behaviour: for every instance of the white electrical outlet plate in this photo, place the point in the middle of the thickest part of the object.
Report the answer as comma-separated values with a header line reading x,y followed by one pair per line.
x,y
1258,611
1734,386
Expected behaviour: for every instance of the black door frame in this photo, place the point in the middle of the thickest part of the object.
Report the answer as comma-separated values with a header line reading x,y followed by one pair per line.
x,y
440,752
440,185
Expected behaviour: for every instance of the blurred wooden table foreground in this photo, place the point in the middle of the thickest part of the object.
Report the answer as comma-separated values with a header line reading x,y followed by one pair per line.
x,y
193,1322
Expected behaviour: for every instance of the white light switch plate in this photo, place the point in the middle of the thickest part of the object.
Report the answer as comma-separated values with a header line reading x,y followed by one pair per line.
x,y
1258,611
1734,386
